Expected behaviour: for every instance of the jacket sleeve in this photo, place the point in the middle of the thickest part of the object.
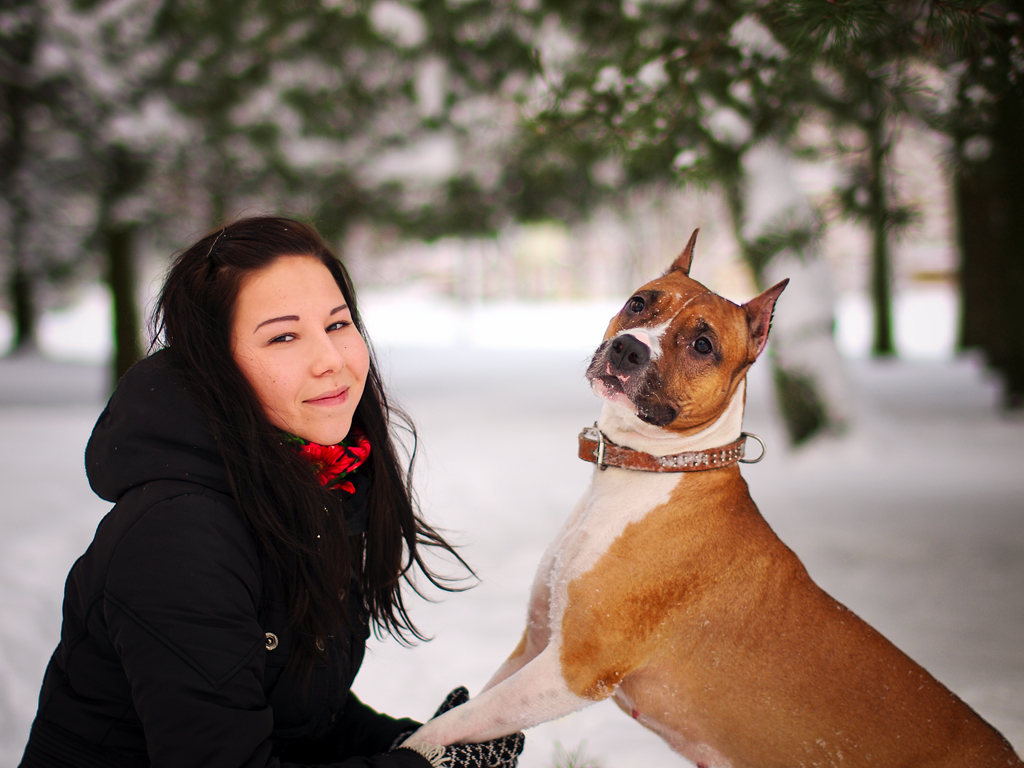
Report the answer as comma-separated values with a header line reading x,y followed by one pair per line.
x,y
180,604
364,731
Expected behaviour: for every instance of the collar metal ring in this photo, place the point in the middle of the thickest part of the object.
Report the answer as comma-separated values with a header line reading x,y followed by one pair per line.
x,y
600,451
759,442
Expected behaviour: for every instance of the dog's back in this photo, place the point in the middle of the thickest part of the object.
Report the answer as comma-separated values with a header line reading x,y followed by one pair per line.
x,y
742,652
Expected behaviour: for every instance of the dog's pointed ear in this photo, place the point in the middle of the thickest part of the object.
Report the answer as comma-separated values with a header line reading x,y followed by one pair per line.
x,y
684,259
759,318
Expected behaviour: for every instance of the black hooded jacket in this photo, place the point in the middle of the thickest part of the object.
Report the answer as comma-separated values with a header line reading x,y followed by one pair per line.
x,y
174,648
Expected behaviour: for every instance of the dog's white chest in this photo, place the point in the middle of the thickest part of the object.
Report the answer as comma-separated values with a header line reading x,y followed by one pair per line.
x,y
614,499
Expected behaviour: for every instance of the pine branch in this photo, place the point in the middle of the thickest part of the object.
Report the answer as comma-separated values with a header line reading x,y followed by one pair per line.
x,y
842,28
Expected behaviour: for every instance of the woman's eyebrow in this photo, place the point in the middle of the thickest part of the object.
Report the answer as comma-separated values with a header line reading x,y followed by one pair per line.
x,y
295,318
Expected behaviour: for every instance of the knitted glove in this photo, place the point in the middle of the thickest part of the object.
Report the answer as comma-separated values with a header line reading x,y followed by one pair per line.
x,y
499,753
456,698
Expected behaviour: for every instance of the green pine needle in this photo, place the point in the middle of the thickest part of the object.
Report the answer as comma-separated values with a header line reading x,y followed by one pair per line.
x,y
574,759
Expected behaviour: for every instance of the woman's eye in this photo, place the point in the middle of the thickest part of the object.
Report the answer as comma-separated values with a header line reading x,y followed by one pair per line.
x,y
282,338
702,345
636,304
338,325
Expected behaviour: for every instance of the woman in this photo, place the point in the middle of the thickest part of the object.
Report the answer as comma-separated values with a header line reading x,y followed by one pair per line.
x,y
263,522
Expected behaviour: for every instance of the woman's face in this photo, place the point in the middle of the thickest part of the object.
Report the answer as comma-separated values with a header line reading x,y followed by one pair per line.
x,y
294,340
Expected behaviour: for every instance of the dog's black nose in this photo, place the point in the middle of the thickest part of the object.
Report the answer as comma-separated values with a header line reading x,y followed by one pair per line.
x,y
628,353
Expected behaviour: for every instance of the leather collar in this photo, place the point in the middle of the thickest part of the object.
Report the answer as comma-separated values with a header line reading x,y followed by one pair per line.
x,y
598,449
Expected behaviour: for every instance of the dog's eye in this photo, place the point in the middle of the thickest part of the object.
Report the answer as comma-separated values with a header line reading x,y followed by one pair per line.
x,y
636,304
702,345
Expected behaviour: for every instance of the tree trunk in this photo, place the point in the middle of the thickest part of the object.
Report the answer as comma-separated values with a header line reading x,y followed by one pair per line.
x,y
22,298
881,270
125,173
120,277
981,223
778,231
16,97
990,218
20,281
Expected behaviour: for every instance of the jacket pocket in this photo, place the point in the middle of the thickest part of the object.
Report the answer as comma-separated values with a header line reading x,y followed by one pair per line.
x,y
298,700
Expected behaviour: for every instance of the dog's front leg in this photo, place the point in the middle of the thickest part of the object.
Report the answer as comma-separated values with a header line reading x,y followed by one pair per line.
x,y
533,695
539,620
538,625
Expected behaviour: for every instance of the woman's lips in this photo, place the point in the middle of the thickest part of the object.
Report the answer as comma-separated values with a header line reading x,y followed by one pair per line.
x,y
334,397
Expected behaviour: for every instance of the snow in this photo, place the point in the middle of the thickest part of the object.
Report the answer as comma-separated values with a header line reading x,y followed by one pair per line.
x,y
773,200
432,158
398,22
913,519
925,323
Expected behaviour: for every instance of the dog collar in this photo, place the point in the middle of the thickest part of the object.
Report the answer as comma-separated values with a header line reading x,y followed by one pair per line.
x,y
597,448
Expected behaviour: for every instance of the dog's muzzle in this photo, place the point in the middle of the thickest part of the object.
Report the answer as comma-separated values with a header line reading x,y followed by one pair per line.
x,y
627,354
623,364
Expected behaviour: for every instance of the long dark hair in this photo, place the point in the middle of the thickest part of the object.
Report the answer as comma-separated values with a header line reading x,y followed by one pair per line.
x,y
279,497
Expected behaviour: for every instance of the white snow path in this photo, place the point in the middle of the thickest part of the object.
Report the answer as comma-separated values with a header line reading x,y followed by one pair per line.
x,y
915,521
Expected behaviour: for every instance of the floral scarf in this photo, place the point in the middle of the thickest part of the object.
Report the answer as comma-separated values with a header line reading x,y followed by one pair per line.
x,y
333,463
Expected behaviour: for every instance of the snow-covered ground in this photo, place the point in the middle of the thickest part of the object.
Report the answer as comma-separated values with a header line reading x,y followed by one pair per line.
x,y
915,519
925,318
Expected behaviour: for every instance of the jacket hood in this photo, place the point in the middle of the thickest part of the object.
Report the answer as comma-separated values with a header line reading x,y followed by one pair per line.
x,y
150,430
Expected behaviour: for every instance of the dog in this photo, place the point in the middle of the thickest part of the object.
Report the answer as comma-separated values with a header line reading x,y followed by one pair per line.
x,y
667,591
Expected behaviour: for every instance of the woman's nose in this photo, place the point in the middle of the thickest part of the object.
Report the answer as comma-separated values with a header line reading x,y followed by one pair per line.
x,y
328,357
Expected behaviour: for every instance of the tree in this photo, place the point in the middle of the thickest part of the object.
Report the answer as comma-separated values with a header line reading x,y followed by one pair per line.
x,y
702,94
869,51
987,125
20,33
207,109
103,57
346,104
711,93
334,109
38,170
980,46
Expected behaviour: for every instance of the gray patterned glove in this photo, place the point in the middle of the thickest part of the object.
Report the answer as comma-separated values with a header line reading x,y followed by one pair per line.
x,y
499,753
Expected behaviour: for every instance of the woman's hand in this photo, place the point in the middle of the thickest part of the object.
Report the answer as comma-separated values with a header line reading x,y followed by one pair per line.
x,y
502,752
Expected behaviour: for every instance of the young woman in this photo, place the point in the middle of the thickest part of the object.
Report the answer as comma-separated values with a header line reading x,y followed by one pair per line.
x,y
263,523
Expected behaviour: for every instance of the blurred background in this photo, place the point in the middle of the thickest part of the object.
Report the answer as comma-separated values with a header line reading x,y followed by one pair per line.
x,y
498,177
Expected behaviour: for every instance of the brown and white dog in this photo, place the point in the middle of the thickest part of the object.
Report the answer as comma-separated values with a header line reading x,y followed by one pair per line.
x,y
667,590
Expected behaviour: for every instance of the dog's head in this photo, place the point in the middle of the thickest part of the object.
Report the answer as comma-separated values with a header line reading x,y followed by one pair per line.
x,y
675,354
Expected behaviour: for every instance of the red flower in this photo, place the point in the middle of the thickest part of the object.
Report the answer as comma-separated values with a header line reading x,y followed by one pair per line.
x,y
326,460
362,448
346,462
332,462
